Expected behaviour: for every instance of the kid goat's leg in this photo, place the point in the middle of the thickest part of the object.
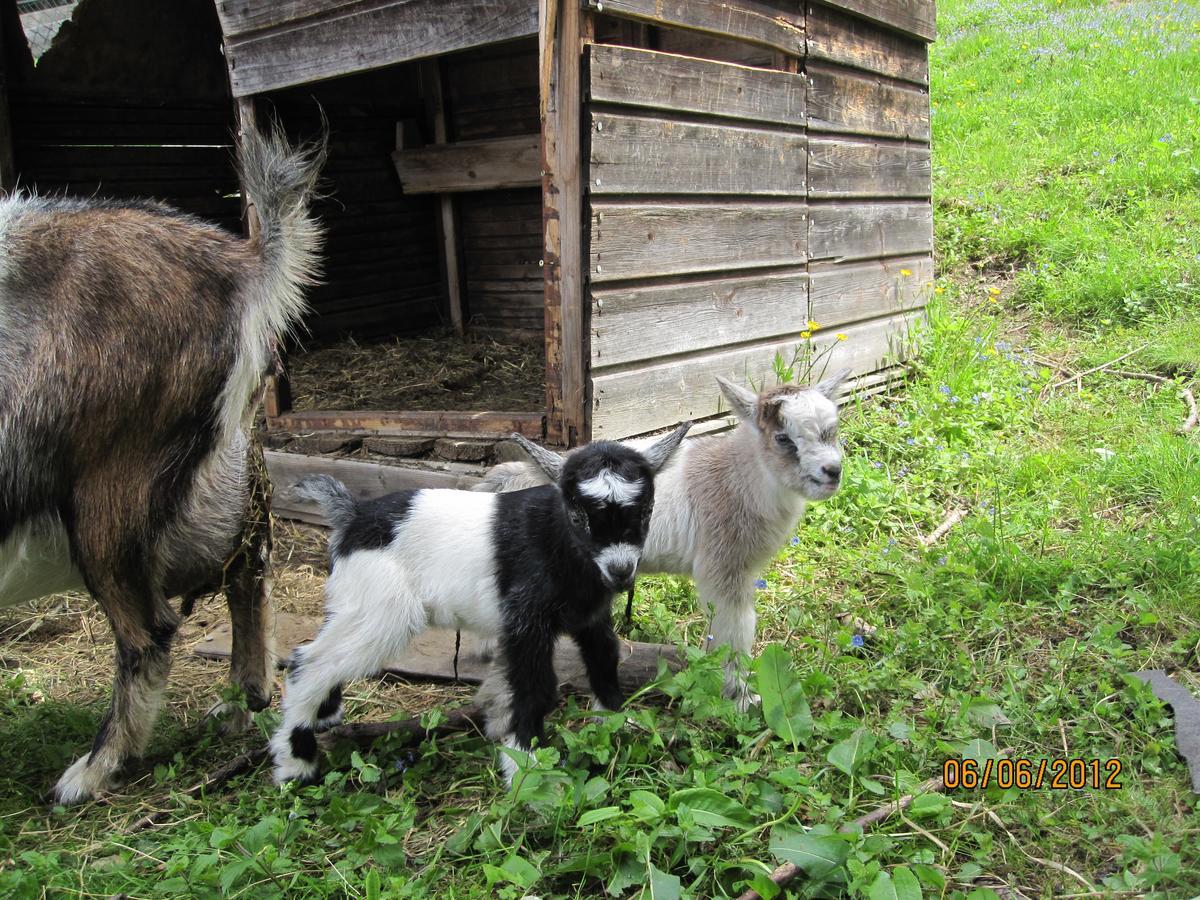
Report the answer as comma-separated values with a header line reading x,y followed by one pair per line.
x,y
370,618
601,652
533,692
730,596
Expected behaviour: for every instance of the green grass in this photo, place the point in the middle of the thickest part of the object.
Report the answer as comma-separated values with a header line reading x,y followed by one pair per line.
x,y
1017,632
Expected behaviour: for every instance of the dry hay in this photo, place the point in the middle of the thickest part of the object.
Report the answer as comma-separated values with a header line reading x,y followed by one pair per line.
x,y
431,370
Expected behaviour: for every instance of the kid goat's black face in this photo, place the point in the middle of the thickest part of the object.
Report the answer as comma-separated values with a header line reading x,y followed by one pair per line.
x,y
608,491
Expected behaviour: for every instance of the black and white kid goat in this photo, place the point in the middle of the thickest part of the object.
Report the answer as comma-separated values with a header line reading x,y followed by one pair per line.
x,y
521,567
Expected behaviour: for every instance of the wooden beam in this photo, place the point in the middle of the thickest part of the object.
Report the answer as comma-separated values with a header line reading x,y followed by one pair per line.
x,y
8,166
846,231
653,80
448,423
752,21
840,169
840,294
471,165
271,45
654,239
564,31
433,88
853,102
645,155
364,480
915,17
836,37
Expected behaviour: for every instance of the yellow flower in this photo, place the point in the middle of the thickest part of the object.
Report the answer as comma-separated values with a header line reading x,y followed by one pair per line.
x,y
806,334
939,290
906,272
994,291
841,337
813,326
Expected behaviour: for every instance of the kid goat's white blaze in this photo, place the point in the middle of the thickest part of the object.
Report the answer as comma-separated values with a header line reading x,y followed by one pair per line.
x,y
611,487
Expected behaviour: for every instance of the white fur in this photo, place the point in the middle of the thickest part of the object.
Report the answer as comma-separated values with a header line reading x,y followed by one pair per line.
x,y
35,561
610,487
618,558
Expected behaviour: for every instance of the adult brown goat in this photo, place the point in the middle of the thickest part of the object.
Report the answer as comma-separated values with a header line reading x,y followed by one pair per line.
x,y
133,340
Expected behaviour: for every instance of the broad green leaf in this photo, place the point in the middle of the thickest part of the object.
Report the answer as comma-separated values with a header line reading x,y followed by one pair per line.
x,y
905,883
928,805
592,816
712,808
371,885
979,750
520,871
986,714
850,754
662,885
784,706
817,855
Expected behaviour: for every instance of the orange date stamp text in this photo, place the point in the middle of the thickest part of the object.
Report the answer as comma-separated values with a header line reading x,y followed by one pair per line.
x,y
1032,774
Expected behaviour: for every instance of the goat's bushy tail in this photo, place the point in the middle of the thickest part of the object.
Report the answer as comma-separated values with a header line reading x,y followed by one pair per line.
x,y
511,476
331,496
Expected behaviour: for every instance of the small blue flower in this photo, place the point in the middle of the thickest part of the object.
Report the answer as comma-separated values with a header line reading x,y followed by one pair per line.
x,y
877,465
1165,139
795,541
761,584
910,441
942,560
857,641
945,389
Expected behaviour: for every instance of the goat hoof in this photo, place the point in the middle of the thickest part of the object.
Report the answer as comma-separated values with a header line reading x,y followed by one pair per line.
x,y
230,718
81,783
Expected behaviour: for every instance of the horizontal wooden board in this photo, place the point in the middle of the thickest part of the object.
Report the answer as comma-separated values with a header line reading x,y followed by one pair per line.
x,y
678,83
848,101
840,294
840,169
846,231
694,316
365,480
641,241
470,166
448,423
914,17
753,21
353,37
644,155
657,396
840,38
710,46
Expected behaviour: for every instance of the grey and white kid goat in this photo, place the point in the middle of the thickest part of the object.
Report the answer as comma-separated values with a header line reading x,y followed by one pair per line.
x,y
730,501
522,568
133,340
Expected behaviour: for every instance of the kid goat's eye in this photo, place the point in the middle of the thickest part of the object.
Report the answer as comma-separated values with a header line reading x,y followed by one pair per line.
x,y
782,439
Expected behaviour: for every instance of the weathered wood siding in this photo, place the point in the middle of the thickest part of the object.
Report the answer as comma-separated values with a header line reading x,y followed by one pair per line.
x,y
731,205
272,44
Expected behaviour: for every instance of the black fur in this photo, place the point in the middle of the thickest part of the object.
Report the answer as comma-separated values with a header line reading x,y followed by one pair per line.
x,y
304,744
374,525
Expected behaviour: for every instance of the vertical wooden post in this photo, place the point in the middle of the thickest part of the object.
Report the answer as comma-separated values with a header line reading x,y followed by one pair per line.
x,y
564,30
8,166
433,88
277,393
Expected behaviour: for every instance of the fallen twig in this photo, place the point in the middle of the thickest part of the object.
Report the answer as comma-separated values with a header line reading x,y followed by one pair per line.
x,y
955,516
362,733
786,872
1100,368
1193,417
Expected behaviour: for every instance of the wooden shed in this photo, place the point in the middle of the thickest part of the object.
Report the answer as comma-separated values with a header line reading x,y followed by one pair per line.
x,y
640,194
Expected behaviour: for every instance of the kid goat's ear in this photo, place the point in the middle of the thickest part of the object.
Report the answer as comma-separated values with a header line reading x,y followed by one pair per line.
x,y
741,400
547,460
660,451
829,387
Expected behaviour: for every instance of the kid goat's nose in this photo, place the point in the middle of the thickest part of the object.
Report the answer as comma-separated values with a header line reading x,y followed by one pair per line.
x,y
833,470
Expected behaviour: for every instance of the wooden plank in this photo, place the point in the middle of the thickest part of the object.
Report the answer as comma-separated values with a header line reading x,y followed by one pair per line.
x,y
914,17
847,101
852,292
355,37
564,31
364,479
656,396
836,37
840,169
644,155
471,165
433,83
753,21
695,316
642,241
709,46
655,80
430,656
846,231
443,423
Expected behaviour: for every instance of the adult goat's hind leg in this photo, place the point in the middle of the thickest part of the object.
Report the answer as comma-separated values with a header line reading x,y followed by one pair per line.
x,y
251,613
143,625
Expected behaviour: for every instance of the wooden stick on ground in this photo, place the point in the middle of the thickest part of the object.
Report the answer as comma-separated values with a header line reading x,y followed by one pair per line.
x,y
953,518
1193,416
1112,362
363,733
786,872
